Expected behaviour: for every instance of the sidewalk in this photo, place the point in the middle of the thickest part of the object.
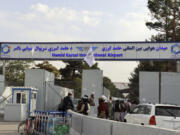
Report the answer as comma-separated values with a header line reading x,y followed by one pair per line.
x,y
8,128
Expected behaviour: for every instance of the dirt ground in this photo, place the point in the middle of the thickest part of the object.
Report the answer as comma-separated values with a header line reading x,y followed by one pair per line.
x,y
8,128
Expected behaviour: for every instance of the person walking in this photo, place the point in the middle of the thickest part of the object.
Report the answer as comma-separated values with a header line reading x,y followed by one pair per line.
x,y
91,100
78,107
67,102
116,111
122,110
92,105
85,107
110,108
102,109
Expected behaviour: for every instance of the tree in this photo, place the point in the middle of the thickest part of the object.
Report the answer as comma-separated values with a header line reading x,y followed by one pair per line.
x,y
49,67
166,21
71,75
107,83
15,72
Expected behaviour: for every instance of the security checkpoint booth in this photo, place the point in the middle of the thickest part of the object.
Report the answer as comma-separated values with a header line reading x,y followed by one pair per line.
x,y
23,104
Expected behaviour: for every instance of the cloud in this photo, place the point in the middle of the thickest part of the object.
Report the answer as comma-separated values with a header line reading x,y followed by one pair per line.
x,y
44,23
66,14
41,8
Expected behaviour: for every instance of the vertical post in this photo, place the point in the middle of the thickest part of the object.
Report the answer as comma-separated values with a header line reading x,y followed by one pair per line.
x,y
44,90
159,87
81,125
111,132
4,73
12,95
4,65
29,107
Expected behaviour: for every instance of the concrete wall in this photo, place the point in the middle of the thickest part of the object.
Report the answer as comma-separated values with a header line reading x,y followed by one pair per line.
x,y
36,78
1,84
92,81
170,88
15,112
86,125
49,95
54,96
149,87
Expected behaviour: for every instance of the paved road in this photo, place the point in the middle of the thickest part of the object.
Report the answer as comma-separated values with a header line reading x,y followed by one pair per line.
x,y
8,128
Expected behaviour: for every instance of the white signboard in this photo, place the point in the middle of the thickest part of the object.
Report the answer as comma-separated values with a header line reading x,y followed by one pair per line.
x,y
101,50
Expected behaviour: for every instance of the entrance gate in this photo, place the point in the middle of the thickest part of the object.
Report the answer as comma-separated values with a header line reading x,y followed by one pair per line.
x,y
112,51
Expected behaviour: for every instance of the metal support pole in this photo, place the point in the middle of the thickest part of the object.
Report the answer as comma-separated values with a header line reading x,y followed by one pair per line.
x,y
4,67
159,87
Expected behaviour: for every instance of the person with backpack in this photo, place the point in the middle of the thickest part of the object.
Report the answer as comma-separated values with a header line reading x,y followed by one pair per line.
x,y
102,108
85,107
66,103
79,104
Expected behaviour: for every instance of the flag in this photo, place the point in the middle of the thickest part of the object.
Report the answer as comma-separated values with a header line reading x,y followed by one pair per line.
x,y
32,51
90,57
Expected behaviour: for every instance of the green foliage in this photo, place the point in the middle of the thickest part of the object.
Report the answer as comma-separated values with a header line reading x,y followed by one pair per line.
x,y
166,21
107,83
49,67
71,77
14,74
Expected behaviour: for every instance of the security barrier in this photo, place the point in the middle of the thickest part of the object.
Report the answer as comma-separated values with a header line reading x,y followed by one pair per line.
x,y
51,123
87,125
77,124
132,129
95,126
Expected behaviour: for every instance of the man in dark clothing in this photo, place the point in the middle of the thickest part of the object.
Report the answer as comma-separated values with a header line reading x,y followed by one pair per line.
x,y
85,107
67,103
117,111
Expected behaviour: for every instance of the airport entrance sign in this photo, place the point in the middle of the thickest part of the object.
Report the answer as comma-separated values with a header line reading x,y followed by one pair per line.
x,y
101,50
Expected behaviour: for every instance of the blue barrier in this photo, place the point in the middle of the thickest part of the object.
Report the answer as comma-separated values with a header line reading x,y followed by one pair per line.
x,y
52,123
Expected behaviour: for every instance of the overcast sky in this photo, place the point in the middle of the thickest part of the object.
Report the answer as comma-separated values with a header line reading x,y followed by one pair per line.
x,y
77,20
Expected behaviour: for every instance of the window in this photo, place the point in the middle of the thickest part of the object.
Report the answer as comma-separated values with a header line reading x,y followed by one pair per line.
x,y
18,98
171,111
142,109
23,98
33,96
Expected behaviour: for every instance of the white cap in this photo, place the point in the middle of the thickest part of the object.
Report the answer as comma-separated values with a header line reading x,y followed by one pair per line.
x,y
85,97
93,93
104,98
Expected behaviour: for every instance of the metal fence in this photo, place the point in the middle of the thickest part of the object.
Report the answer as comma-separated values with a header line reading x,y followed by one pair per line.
x,y
49,123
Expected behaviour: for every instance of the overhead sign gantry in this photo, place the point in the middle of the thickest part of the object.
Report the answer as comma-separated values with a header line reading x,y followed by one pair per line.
x,y
101,50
